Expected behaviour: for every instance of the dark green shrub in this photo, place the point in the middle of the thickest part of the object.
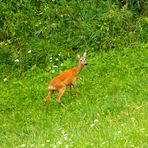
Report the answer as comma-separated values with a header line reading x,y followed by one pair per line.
x,y
48,28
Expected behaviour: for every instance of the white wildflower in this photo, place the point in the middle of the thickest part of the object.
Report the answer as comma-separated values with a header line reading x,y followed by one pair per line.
x,y
66,146
5,79
50,58
29,51
103,143
53,71
96,120
32,145
59,142
65,138
42,144
63,132
62,64
47,140
55,66
92,125
56,59
54,146
59,54
17,60
22,145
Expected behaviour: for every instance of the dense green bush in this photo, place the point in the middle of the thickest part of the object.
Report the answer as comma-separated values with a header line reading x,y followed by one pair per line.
x,y
138,6
48,27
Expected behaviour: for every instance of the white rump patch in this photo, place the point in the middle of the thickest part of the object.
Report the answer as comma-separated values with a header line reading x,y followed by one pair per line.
x,y
51,88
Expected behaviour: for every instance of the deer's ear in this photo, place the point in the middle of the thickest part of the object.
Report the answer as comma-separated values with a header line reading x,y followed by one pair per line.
x,y
84,54
78,56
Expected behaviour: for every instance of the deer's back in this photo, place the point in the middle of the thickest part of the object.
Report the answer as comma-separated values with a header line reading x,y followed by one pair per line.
x,y
63,79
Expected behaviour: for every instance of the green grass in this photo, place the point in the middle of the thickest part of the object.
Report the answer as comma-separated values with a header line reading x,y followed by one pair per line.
x,y
110,109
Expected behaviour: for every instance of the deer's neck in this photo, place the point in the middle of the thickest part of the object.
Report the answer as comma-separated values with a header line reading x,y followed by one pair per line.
x,y
79,68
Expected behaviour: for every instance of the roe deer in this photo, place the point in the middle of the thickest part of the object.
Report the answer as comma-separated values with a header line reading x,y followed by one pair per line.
x,y
67,78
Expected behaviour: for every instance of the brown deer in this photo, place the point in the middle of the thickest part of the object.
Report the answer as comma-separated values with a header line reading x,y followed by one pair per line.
x,y
67,78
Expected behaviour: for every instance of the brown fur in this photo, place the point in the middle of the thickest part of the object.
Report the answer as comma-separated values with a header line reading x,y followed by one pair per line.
x,y
60,82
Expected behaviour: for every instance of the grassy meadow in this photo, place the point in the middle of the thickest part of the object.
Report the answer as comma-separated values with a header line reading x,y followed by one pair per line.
x,y
40,39
110,109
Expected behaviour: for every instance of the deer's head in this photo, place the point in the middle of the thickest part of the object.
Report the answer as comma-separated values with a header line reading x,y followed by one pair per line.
x,y
82,59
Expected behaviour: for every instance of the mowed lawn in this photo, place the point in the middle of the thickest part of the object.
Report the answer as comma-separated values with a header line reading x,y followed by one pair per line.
x,y
110,109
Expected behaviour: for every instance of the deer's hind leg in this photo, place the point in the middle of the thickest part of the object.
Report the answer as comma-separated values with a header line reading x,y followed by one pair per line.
x,y
60,94
47,99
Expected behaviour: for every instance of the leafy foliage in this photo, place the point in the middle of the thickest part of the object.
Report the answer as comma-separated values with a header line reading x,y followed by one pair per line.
x,y
136,5
67,26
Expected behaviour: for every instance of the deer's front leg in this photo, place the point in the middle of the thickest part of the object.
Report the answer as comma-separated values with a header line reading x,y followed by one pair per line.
x,y
73,84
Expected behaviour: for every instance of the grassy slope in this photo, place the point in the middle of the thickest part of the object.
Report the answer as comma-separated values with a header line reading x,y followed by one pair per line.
x,y
111,93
